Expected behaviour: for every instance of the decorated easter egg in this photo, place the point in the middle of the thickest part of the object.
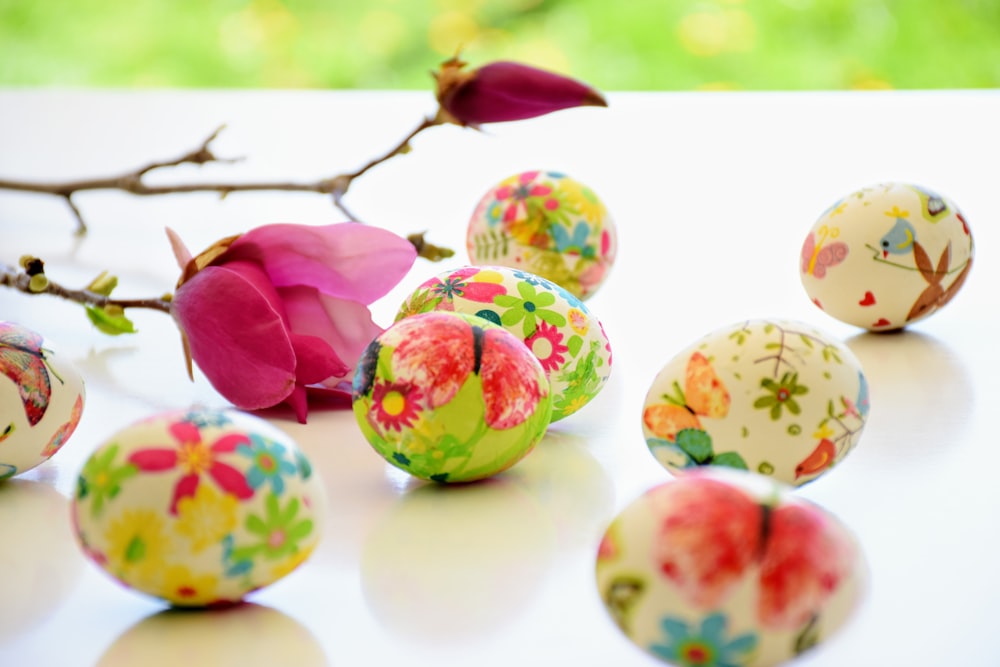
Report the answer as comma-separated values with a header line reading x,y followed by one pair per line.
x,y
41,399
450,397
198,507
886,256
546,223
775,397
561,332
728,568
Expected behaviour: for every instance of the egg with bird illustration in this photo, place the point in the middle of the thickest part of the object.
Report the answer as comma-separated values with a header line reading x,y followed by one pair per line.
x,y
568,340
450,397
41,399
548,224
728,568
198,507
886,256
775,397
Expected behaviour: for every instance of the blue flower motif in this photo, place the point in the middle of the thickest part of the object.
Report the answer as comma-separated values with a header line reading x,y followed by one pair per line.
x,y
494,213
572,299
577,242
205,418
269,463
705,646
529,278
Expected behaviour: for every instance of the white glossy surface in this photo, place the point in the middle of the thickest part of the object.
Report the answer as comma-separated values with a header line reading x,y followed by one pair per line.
x,y
712,194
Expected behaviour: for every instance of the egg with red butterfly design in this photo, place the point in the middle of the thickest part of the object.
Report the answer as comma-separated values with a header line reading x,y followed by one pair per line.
x,y
41,399
450,397
725,567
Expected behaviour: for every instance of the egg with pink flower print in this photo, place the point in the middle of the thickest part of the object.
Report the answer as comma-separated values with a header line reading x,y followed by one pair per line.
x,y
198,507
726,567
563,334
548,224
41,399
450,397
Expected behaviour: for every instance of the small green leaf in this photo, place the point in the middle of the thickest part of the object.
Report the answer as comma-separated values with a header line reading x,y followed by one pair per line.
x,y
695,443
103,284
730,460
806,341
772,346
574,344
108,323
765,402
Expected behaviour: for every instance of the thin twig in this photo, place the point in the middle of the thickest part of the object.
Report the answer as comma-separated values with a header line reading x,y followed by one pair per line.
x,y
132,182
21,281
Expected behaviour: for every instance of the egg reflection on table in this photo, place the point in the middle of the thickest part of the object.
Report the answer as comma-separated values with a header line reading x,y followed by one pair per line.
x,y
40,561
238,636
450,564
41,399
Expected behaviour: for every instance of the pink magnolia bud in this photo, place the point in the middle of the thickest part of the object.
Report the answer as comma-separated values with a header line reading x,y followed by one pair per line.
x,y
503,91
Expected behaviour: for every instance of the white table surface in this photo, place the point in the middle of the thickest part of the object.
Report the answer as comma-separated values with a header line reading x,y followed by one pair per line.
x,y
712,194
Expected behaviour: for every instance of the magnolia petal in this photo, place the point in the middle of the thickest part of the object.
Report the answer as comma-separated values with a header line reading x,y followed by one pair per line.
x,y
346,326
346,260
181,253
298,401
231,317
505,91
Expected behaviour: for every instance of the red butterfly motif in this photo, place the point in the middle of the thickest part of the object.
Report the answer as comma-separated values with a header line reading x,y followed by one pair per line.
x,y
439,350
22,359
713,534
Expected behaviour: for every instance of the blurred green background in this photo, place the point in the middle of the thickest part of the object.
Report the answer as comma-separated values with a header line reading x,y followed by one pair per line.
x,y
612,44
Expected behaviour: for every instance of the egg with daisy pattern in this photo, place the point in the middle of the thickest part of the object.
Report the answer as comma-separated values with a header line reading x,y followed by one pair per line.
x,y
548,224
562,333
198,507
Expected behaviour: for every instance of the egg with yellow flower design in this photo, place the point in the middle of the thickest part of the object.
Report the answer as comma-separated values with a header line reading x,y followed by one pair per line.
x,y
199,507
548,224
562,333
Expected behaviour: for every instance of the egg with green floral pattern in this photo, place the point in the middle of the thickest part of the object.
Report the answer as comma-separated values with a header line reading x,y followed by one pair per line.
x,y
565,336
548,224
777,397
725,567
450,397
198,507
41,399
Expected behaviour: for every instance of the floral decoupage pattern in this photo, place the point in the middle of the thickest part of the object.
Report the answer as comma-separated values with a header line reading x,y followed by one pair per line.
x,y
886,256
557,327
548,224
41,399
775,397
727,569
198,508
450,397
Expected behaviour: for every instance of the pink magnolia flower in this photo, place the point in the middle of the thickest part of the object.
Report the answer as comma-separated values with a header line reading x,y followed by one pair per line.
x,y
503,91
282,307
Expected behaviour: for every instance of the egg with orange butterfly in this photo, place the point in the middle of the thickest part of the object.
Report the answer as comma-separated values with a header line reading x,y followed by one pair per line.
x,y
775,397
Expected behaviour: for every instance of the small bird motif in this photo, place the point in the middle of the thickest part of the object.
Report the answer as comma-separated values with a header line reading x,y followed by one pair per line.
x,y
899,240
820,459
